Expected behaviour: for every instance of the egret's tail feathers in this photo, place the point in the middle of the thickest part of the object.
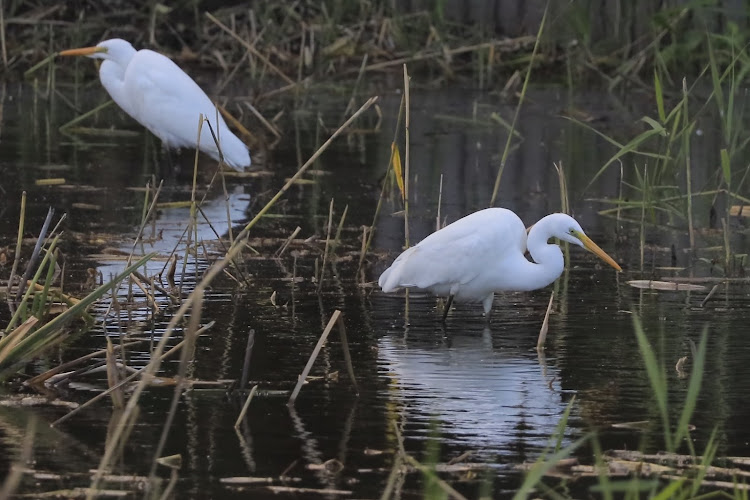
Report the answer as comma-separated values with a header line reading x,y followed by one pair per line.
x,y
392,278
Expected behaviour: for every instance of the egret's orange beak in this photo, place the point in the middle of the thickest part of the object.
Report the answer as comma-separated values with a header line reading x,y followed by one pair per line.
x,y
594,248
85,51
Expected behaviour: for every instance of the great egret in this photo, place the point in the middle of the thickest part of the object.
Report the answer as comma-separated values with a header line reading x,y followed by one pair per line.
x,y
483,253
160,96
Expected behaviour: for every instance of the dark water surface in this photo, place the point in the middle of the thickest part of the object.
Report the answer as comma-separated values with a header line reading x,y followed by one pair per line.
x,y
470,386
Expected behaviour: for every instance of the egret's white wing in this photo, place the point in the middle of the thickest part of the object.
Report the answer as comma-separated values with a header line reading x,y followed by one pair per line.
x,y
458,253
168,102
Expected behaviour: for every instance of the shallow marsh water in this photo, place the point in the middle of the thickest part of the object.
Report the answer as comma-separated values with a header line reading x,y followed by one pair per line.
x,y
470,386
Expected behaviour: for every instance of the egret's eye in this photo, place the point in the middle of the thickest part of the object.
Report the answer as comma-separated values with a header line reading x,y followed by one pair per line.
x,y
572,231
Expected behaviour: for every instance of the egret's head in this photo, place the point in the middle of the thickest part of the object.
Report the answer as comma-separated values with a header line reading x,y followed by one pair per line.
x,y
566,228
116,49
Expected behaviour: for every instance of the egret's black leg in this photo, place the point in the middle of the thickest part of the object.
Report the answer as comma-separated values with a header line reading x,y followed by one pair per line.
x,y
447,307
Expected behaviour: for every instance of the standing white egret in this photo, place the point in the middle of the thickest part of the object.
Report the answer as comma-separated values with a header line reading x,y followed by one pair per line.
x,y
483,253
160,96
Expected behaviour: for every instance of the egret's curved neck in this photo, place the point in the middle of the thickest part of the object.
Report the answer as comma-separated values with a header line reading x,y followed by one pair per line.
x,y
548,258
112,76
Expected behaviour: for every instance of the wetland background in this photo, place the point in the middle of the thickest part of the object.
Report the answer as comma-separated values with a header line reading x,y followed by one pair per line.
x,y
654,169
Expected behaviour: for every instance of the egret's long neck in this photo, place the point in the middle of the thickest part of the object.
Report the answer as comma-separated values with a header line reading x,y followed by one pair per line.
x,y
112,76
548,259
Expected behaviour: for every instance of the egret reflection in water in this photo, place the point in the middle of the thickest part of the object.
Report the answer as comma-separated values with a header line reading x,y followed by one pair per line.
x,y
480,395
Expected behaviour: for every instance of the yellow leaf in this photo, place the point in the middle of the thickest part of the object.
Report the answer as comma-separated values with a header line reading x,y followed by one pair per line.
x,y
396,162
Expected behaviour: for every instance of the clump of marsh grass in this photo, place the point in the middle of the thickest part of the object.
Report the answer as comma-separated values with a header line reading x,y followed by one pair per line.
x,y
42,313
679,481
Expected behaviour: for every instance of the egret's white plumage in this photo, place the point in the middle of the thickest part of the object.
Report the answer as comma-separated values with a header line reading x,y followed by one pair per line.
x,y
160,96
483,253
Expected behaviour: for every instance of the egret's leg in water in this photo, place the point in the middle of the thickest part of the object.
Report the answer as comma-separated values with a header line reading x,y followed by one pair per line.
x,y
487,304
447,307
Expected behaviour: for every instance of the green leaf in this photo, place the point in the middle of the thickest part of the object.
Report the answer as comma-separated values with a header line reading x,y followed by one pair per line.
x,y
659,98
726,167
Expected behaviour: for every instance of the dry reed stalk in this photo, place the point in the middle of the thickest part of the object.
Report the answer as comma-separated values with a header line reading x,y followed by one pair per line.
x,y
149,294
113,378
288,241
325,251
563,183
243,412
271,128
237,124
688,169
710,294
19,241
406,158
440,203
504,158
350,104
246,362
336,318
347,355
545,325
339,228
250,48
2,34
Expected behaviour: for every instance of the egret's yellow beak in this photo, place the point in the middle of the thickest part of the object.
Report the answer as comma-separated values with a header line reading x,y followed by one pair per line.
x,y
85,51
594,248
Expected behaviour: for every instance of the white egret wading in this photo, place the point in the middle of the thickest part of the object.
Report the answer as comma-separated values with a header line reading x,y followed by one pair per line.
x,y
483,253
160,96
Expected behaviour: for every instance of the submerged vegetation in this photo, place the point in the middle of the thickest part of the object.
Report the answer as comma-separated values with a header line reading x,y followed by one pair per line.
x,y
688,62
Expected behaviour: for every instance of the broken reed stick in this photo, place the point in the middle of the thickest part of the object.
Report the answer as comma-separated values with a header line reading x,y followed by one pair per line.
x,y
328,244
347,355
545,325
246,362
149,296
294,234
271,128
336,317
243,412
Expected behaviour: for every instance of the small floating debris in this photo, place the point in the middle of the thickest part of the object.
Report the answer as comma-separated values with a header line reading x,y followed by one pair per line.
x,y
665,285
51,181
637,425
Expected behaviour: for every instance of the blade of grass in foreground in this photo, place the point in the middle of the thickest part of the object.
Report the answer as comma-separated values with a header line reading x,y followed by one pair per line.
x,y
656,377
37,341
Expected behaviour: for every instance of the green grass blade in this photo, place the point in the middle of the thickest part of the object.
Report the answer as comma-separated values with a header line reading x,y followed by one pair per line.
x,y
562,425
656,377
726,167
659,98
542,466
694,387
